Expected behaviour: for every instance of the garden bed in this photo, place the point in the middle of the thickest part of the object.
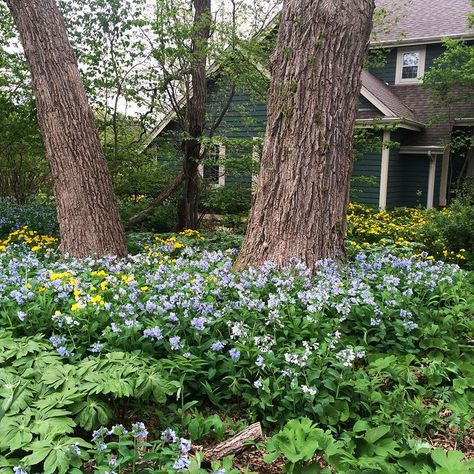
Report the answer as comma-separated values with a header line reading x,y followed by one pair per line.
x,y
376,356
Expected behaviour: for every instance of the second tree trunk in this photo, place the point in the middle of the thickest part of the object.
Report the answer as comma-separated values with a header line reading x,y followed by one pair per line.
x,y
299,210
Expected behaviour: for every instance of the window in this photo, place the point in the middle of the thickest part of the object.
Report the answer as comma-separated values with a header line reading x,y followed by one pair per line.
x,y
213,172
410,65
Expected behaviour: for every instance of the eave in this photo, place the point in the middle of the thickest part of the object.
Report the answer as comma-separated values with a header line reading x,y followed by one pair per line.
x,y
420,41
421,150
393,122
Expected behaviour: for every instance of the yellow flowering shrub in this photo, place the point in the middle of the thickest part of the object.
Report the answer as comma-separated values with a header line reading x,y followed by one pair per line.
x,y
401,228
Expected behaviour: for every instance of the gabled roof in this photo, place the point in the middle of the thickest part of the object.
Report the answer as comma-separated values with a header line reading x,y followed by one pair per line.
x,y
425,110
424,21
413,22
382,97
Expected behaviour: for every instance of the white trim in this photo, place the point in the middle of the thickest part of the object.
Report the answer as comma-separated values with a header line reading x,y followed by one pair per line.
x,y
384,172
431,180
443,185
421,150
221,165
376,102
419,41
421,50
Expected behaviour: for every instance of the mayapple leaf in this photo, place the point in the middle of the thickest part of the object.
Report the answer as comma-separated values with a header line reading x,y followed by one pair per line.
x,y
374,434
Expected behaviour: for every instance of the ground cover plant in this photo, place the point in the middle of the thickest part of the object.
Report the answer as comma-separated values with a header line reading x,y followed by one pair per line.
x,y
445,235
371,360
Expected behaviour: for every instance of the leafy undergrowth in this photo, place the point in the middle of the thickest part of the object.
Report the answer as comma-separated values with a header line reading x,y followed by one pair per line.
x,y
355,369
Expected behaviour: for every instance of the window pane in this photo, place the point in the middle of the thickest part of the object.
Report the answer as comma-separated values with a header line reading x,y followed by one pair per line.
x,y
211,173
410,65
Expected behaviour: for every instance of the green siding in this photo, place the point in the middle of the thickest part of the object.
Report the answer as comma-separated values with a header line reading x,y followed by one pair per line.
x,y
432,52
364,104
413,191
387,72
395,180
367,166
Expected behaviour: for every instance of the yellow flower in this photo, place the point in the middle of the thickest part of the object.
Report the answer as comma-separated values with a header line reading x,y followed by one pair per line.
x,y
127,279
77,306
96,299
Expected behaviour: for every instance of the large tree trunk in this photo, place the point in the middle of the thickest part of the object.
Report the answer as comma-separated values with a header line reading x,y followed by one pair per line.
x,y
88,216
299,210
188,207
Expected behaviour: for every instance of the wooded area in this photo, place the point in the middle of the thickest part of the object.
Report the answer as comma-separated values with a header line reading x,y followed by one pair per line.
x,y
236,236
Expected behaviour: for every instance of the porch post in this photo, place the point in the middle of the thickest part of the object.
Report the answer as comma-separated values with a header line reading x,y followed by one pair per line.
x,y
443,187
431,180
384,172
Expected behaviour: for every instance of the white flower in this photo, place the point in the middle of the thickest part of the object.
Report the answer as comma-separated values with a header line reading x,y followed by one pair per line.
x,y
309,390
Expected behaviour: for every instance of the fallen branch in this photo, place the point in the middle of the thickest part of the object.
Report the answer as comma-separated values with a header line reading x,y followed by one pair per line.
x,y
235,444
165,194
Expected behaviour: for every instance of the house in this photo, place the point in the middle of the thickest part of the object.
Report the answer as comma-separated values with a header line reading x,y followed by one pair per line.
x,y
421,169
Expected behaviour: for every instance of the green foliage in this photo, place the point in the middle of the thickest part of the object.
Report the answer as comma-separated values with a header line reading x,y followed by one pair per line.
x,y
451,231
298,442
363,449
228,199
162,219
374,351
451,79
23,168
47,400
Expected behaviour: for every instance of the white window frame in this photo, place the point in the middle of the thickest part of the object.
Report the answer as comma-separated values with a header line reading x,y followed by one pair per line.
x,y
421,50
221,179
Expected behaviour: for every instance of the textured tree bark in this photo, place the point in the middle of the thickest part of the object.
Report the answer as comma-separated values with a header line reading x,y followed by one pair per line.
x,y
188,212
299,210
88,216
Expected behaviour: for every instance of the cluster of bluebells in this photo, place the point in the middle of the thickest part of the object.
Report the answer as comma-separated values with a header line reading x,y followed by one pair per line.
x,y
58,342
100,436
183,446
19,470
192,304
14,216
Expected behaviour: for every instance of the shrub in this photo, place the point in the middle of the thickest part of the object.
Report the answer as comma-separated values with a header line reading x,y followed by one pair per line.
x,y
228,199
163,218
449,235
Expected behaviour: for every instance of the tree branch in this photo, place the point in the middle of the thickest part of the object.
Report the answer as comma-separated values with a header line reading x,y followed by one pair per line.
x,y
165,194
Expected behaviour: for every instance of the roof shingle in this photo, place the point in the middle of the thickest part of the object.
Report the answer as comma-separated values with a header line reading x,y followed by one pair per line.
x,y
413,20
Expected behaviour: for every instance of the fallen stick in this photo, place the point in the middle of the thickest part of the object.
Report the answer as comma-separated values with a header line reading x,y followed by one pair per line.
x,y
234,445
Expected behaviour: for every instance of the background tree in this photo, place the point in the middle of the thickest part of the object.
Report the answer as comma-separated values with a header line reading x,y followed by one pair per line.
x,y
230,58
196,115
23,167
87,212
300,205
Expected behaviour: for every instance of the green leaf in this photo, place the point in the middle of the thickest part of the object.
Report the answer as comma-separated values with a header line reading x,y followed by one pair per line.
x,y
374,434
37,456
270,457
